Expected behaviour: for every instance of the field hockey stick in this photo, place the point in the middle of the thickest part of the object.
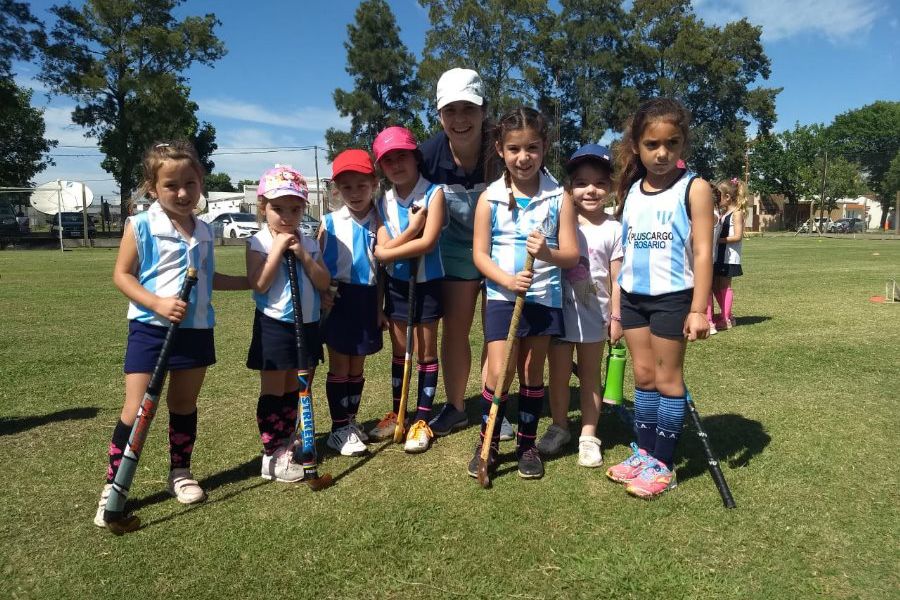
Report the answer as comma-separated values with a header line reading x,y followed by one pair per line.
x,y
114,514
714,468
483,478
400,427
305,453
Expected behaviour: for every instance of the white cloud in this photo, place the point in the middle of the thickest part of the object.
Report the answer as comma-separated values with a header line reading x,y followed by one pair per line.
x,y
304,117
251,166
838,20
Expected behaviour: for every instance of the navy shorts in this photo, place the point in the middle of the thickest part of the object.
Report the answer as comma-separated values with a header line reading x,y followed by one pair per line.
x,y
536,319
274,347
429,307
664,314
191,348
727,270
352,325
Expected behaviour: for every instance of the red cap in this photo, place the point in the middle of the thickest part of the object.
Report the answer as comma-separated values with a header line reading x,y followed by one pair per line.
x,y
352,160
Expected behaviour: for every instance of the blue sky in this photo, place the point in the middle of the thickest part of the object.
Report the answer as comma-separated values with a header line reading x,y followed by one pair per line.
x,y
274,87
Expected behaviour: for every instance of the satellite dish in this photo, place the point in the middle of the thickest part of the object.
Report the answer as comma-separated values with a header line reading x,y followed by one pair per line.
x,y
66,196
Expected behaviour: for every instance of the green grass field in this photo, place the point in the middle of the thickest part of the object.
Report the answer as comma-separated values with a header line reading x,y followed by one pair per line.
x,y
800,401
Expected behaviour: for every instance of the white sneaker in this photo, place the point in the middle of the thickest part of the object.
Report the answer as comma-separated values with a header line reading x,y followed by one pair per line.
x,y
101,506
553,440
712,329
589,451
362,435
184,487
345,441
281,467
419,438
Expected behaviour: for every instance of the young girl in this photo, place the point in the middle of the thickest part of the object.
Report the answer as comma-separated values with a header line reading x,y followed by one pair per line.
x,y
158,246
587,300
665,278
523,211
732,200
281,199
412,214
352,329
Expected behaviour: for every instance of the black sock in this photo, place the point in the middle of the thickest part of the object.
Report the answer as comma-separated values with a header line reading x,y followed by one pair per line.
x,y
531,401
428,377
396,382
487,399
120,436
355,384
336,391
182,435
270,423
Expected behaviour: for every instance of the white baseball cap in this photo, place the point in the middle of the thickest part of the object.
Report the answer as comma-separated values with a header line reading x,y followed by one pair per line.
x,y
459,84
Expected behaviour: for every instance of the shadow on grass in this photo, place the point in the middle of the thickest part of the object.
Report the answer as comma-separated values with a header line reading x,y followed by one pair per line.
x,y
734,439
752,320
11,426
362,461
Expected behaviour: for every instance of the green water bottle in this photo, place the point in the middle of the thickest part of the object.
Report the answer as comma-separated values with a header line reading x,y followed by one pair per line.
x,y
615,375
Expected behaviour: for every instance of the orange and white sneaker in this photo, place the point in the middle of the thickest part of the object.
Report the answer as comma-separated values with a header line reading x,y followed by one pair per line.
x,y
385,427
419,437
654,480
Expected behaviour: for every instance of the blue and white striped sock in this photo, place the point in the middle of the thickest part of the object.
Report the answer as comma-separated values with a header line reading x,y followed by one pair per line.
x,y
646,407
669,422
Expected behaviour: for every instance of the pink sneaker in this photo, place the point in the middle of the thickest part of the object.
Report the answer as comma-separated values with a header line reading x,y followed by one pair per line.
x,y
631,467
653,481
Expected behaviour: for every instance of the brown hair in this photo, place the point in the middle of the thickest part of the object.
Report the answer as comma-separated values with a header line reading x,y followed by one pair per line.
x,y
629,165
160,152
518,119
735,189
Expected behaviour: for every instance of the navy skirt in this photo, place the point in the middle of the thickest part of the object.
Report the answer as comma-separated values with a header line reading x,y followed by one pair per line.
x,y
274,347
352,325
191,348
428,309
536,320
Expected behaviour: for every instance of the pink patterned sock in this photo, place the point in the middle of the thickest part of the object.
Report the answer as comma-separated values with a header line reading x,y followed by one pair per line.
x,y
729,302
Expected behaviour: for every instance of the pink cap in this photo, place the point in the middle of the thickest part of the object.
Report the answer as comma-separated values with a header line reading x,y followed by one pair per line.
x,y
393,138
352,160
282,181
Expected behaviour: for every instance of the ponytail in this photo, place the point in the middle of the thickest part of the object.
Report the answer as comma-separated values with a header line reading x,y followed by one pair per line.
x,y
736,190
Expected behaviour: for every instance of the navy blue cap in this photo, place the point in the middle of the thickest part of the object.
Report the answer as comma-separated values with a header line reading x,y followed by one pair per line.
x,y
596,151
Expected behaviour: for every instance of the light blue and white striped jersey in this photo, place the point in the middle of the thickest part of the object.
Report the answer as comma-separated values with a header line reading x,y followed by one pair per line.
x,y
276,301
394,212
164,256
348,245
656,239
510,230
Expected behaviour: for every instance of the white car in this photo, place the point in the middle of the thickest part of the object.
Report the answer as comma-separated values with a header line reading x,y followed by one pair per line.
x,y
235,225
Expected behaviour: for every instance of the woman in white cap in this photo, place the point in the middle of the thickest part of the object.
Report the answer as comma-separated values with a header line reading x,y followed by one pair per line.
x,y
456,158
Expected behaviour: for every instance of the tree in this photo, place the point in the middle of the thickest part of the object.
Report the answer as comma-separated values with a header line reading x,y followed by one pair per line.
x,y
22,146
23,149
122,61
385,86
494,37
20,34
870,136
891,184
246,182
218,182
712,70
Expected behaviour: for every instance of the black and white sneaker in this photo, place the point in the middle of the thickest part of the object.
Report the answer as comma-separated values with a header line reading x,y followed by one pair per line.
x,y
492,460
530,464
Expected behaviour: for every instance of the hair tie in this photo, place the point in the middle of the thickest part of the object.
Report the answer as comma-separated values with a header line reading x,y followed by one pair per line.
x,y
161,146
734,181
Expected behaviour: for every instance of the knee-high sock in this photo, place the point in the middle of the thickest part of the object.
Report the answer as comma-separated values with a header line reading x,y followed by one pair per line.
x,y
116,448
720,298
355,384
487,398
288,411
396,381
531,401
336,390
270,422
670,420
646,407
428,377
729,302
182,435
